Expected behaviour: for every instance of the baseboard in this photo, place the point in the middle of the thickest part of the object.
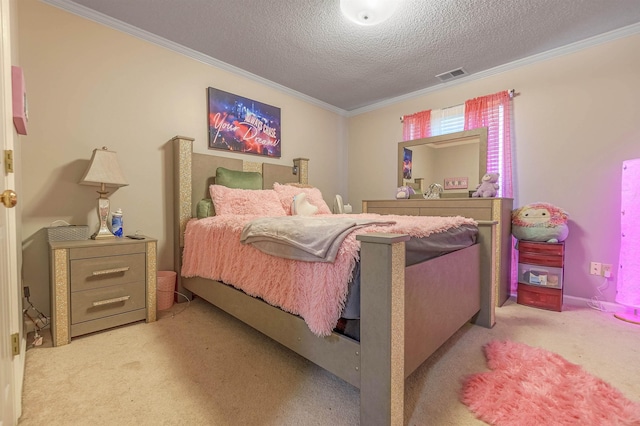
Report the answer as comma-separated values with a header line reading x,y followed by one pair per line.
x,y
581,301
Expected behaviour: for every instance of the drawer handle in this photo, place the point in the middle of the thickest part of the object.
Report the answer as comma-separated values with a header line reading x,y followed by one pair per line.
x,y
111,271
110,301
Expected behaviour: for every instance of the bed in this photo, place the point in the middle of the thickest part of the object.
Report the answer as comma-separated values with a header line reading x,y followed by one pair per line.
x,y
406,313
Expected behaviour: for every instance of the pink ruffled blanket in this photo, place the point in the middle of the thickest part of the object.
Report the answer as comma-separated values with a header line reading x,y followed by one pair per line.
x,y
316,291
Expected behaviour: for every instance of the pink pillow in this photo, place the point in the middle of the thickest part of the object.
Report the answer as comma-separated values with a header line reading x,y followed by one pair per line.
x,y
231,201
314,197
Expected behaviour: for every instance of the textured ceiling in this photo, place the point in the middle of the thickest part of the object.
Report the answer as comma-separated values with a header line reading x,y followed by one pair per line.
x,y
309,47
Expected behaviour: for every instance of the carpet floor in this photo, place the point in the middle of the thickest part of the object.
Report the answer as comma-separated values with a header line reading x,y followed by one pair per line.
x,y
197,365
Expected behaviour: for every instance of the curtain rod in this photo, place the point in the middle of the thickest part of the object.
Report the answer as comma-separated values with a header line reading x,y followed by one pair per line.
x,y
512,94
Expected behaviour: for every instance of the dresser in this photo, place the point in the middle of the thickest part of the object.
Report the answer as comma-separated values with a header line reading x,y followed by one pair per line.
x,y
99,284
494,217
540,274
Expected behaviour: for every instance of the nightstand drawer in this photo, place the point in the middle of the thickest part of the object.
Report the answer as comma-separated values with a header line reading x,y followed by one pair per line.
x,y
99,272
102,302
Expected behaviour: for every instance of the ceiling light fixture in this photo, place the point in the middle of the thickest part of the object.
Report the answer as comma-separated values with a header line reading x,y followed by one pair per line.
x,y
368,12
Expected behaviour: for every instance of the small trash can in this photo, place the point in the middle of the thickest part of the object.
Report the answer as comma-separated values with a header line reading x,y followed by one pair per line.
x,y
165,286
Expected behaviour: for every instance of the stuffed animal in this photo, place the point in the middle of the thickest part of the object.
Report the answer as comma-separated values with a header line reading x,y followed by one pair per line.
x,y
542,222
488,187
404,192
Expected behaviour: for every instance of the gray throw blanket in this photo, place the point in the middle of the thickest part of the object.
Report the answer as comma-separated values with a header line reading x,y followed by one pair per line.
x,y
306,238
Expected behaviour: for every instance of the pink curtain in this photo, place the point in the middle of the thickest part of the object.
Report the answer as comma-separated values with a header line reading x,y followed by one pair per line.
x,y
486,112
416,126
494,112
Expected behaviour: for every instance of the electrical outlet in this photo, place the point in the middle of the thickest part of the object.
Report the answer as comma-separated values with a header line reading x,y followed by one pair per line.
x,y
606,270
595,268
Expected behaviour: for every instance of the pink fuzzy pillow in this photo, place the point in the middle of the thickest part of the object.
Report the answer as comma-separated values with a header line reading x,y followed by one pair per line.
x,y
314,197
231,201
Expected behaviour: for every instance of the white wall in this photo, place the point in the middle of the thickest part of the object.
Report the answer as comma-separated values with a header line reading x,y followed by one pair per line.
x,y
576,119
91,86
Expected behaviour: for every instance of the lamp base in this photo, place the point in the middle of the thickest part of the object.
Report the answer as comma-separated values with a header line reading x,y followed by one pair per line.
x,y
103,212
631,317
102,233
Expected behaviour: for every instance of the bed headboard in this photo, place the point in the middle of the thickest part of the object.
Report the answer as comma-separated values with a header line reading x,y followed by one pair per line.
x,y
193,173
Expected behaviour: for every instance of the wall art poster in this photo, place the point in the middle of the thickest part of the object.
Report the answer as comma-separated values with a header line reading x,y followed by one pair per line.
x,y
407,163
242,125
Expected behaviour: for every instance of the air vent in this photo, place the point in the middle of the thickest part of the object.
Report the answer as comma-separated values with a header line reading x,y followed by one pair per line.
x,y
450,75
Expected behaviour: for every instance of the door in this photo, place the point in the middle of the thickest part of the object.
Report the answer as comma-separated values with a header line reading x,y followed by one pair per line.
x,y
11,366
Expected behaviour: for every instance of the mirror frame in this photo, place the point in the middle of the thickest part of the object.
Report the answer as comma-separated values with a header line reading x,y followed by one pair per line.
x,y
480,134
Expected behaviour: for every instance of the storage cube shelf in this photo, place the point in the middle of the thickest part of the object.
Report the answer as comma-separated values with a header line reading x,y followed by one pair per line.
x,y
540,274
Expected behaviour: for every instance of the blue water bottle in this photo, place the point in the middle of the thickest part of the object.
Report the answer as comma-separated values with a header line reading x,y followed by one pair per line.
x,y
116,223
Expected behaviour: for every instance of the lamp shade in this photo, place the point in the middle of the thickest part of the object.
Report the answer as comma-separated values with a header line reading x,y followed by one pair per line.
x,y
104,169
368,12
628,285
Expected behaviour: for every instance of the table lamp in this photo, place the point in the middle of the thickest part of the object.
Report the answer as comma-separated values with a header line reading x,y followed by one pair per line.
x,y
103,171
628,291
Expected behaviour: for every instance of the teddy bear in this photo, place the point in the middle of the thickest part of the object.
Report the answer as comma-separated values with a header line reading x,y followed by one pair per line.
x,y
488,187
541,222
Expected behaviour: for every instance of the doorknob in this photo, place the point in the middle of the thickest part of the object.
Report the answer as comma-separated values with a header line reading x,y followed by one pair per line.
x,y
9,198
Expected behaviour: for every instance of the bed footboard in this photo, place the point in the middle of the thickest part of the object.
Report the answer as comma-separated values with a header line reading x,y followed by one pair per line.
x,y
406,315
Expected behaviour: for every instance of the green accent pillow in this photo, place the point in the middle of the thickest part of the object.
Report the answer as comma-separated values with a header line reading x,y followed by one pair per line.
x,y
238,179
205,208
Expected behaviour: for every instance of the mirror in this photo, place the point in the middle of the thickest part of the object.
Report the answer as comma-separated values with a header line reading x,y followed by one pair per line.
x,y
457,161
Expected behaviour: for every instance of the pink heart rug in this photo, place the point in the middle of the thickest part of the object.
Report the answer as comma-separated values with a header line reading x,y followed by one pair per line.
x,y
532,386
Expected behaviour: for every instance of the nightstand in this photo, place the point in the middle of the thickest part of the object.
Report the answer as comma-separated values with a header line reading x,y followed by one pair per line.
x,y
99,284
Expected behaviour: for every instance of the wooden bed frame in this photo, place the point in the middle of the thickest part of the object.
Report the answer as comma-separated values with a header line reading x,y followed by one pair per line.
x,y
406,312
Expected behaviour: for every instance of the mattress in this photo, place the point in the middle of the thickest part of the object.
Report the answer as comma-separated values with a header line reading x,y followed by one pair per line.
x,y
417,250
320,293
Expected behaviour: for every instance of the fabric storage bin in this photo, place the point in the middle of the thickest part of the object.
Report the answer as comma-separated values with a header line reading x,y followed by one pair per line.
x,y
68,233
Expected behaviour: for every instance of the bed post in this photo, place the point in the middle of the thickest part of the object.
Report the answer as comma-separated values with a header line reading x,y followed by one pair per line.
x,y
382,329
487,315
182,148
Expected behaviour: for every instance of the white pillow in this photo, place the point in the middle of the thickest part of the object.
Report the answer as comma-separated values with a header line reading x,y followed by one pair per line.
x,y
301,206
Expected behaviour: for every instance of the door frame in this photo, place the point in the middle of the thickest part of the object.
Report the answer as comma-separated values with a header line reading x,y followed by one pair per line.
x,y
11,321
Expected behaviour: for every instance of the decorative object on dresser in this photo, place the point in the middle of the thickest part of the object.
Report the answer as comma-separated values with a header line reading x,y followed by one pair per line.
x,y
488,187
103,171
433,192
628,291
403,192
99,284
540,274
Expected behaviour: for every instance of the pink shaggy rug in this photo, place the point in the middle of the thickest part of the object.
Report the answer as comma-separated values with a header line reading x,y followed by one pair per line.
x,y
532,386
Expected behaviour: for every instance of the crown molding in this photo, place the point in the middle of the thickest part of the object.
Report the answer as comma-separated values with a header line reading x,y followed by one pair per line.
x,y
550,54
108,21
116,24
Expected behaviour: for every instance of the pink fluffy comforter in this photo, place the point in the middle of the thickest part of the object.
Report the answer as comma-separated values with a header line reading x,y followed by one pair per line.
x,y
315,291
